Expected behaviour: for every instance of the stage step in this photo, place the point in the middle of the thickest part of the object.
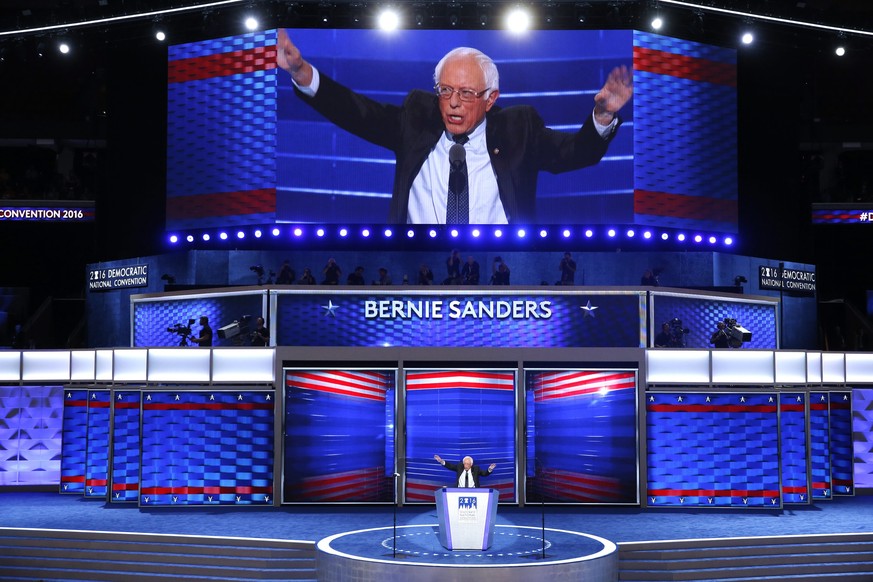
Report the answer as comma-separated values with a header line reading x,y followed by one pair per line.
x,y
77,555
843,557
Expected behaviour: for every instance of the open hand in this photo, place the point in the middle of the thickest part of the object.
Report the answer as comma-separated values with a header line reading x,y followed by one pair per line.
x,y
288,57
617,91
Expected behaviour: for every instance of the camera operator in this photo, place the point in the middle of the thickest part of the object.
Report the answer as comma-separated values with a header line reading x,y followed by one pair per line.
x,y
204,340
261,335
720,338
664,337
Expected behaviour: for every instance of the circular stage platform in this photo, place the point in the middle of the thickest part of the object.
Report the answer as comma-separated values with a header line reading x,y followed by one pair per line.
x,y
516,554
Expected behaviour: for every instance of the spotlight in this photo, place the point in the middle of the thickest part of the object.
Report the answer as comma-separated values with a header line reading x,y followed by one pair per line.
x,y
747,38
410,233
610,233
498,233
297,231
840,51
589,233
160,35
389,20
664,236
453,233
697,238
432,233
258,233
647,234
566,233
517,21
319,232
728,241
344,232
251,23
544,233
521,233
365,233
680,237
476,233
657,23
275,232
388,233
206,237
222,236
174,239
190,238
64,48
631,233
712,240
240,234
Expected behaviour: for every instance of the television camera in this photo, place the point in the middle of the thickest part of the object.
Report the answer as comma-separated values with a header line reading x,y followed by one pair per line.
x,y
236,330
260,272
183,331
677,333
737,334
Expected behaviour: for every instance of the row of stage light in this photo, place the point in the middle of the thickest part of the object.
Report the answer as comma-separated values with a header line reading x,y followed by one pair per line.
x,y
308,232
516,19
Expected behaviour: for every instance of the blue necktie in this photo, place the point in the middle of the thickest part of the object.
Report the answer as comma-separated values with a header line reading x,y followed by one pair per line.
x,y
458,202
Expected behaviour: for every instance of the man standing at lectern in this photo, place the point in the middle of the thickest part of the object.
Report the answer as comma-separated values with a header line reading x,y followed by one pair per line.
x,y
468,473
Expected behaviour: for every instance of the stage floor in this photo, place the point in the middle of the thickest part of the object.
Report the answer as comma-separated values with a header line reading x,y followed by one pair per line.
x,y
49,510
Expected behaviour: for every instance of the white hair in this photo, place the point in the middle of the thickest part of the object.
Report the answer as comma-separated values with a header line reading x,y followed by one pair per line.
x,y
489,69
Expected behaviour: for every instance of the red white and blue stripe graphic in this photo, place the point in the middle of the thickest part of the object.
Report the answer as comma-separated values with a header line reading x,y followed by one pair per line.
x,y
567,384
358,384
460,379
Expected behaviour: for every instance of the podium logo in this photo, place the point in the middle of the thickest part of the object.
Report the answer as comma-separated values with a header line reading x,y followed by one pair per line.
x,y
467,503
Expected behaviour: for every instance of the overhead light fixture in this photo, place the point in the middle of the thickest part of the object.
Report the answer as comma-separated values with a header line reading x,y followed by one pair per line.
x,y
389,20
517,21
251,23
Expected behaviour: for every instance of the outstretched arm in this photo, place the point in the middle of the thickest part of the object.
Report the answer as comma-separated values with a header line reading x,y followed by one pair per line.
x,y
288,57
439,460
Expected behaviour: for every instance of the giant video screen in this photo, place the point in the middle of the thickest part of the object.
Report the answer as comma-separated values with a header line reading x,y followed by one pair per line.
x,y
245,148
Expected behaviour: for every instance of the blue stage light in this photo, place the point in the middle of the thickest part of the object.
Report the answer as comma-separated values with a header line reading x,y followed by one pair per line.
x,y
344,232
454,233
728,241
319,232
664,236
498,233
222,236
521,233
712,240
276,232
647,234
190,238
631,233
206,237
258,233
589,233
298,231
697,238
680,237
365,233
544,233
410,233
432,233
174,239
566,233
240,234
476,233
610,233
388,233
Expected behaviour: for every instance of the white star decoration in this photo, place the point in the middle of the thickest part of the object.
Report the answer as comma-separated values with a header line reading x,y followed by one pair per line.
x,y
330,308
588,309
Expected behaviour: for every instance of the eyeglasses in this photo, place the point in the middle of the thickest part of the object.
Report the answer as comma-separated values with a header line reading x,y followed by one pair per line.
x,y
465,95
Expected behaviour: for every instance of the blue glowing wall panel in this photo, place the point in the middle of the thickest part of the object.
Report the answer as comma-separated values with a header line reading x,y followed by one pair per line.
x,y
341,318
793,447
97,446
31,421
862,428
328,175
712,450
700,316
336,436
207,448
582,436
685,134
151,319
820,446
75,441
221,132
126,447
840,424
455,413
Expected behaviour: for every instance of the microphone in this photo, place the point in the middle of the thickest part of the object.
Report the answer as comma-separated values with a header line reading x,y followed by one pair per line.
x,y
457,155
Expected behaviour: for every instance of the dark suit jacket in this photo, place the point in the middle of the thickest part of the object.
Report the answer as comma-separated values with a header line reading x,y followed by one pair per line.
x,y
519,143
458,468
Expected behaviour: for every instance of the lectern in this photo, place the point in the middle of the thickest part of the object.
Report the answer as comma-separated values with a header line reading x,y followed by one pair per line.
x,y
466,517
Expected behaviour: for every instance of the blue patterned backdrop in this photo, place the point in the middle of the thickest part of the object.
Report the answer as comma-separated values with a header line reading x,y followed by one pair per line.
x,y
700,315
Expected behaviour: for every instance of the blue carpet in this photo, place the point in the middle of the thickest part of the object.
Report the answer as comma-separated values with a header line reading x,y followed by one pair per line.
x,y
620,524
